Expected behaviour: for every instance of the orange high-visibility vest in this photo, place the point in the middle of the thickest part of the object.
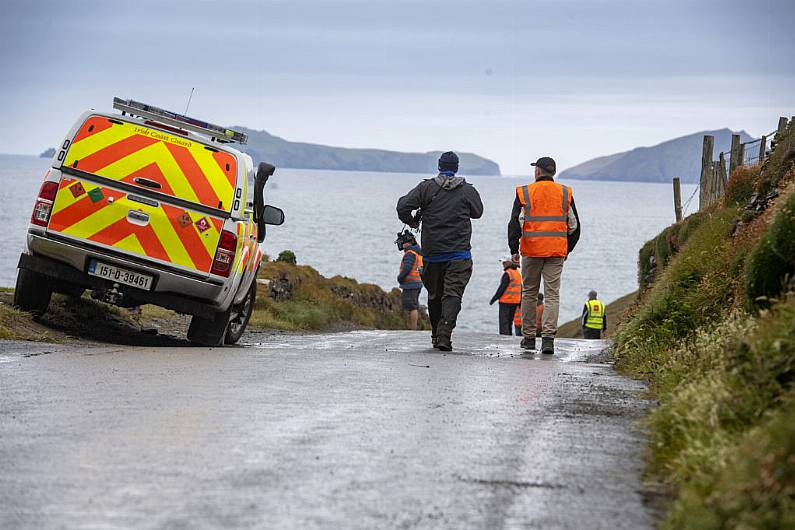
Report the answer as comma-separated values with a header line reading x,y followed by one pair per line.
x,y
546,219
517,317
513,293
414,274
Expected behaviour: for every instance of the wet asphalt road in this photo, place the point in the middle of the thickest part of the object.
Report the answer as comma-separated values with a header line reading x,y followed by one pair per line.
x,y
352,430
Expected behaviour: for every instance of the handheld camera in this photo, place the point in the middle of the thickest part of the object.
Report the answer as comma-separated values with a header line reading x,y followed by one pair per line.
x,y
405,237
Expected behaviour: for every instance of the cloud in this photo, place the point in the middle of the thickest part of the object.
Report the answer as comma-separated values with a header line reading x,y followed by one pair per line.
x,y
482,75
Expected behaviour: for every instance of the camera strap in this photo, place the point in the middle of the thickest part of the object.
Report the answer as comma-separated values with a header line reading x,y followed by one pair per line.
x,y
440,190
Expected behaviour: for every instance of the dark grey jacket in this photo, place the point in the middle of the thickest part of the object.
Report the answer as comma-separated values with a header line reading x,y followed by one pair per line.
x,y
446,214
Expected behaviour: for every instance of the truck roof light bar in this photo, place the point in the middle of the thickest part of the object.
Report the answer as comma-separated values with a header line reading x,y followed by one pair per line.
x,y
217,132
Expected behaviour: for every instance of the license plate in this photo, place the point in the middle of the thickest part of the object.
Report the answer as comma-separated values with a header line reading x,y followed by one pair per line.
x,y
119,275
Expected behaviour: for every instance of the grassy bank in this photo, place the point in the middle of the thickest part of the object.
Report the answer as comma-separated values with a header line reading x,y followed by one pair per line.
x,y
714,332
297,297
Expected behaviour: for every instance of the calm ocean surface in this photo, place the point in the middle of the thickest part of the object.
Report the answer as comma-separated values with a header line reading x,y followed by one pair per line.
x,y
345,223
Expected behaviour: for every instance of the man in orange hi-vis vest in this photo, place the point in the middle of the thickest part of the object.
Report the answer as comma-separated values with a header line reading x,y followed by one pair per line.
x,y
544,228
410,278
509,294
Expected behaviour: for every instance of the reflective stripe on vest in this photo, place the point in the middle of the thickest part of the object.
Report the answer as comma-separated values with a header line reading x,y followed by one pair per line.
x,y
513,293
596,314
517,317
414,274
545,205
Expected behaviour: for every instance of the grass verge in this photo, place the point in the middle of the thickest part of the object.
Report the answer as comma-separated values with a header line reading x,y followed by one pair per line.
x,y
714,333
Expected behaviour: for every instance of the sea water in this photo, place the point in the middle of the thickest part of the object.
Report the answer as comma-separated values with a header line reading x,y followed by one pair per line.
x,y
344,222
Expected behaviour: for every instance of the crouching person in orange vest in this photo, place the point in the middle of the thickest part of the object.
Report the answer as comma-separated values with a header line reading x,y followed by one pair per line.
x,y
509,294
517,319
409,278
544,228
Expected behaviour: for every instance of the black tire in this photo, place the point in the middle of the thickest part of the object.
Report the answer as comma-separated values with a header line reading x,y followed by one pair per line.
x,y
226,327
32,292
240,315
208,331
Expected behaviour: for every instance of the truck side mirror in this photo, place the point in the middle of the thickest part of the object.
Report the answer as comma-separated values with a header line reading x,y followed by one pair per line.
x,y
264,172
272,215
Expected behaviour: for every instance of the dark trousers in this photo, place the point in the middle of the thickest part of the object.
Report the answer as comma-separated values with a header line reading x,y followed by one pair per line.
x,y
590,333
507,312
445,283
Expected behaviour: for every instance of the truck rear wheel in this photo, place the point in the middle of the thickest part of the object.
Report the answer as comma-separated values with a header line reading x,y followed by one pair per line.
x,y
240,315
32,292
208,331
226,327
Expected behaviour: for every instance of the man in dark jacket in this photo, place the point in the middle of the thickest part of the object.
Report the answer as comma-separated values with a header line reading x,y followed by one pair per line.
x,y
447,203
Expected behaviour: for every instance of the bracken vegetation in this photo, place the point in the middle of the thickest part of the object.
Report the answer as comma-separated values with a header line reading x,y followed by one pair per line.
x,y
714,332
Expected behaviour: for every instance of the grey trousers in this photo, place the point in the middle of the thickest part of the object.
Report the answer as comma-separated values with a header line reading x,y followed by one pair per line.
x,y
533,269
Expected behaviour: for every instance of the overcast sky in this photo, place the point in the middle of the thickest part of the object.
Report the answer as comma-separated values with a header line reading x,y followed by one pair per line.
x,y
510,80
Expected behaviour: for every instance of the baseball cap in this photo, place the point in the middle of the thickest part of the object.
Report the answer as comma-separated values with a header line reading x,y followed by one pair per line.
x,y
546,163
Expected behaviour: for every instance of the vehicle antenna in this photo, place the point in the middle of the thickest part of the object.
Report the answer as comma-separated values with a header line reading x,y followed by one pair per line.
x,y
189,98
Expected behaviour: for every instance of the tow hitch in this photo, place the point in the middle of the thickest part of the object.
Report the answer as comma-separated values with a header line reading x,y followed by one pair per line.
x,y
110,296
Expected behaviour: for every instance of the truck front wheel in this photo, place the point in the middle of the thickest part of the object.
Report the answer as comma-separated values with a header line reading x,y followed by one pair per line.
x,y
32,292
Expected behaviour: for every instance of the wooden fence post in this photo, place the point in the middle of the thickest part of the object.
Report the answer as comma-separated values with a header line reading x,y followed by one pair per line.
x,y
722,171
717,182
677,199
706,169
782,124
762,148
734,157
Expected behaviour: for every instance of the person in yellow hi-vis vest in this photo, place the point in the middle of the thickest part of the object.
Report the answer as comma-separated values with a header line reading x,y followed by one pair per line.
x,y
594,319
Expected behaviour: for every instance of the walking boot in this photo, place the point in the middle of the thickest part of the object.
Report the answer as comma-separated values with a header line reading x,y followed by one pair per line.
x,y
435,341
548,345
528,343
443,343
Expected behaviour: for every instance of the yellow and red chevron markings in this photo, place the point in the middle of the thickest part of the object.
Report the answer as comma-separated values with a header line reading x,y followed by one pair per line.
x,y
123,151
99,214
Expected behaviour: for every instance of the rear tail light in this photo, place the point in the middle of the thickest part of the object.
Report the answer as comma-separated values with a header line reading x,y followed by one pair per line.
x,y
43,207
225,254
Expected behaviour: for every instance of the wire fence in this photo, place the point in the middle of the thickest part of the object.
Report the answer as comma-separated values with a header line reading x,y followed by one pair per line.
x,y
689,200
752,152
715,174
